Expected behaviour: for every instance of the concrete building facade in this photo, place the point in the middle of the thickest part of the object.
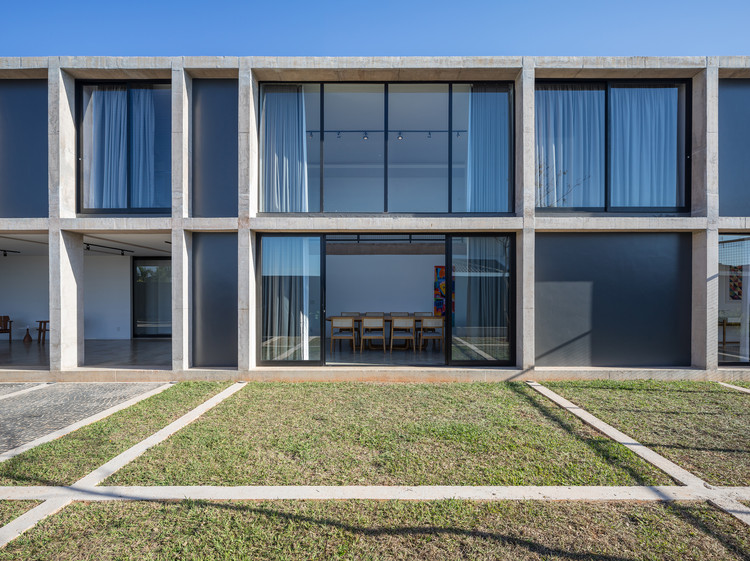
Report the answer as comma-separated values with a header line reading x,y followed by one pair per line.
x,y
684,240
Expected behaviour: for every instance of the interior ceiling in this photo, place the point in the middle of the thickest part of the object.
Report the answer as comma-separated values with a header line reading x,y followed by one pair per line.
x,y
141,245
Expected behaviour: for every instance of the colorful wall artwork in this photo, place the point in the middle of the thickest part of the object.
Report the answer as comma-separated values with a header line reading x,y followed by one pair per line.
x,y
735,282
439,292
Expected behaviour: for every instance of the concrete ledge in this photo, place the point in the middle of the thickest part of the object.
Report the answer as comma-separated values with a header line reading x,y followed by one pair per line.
x,y
383,374
108,224
212,66
385,223
24,225
211,224
615,223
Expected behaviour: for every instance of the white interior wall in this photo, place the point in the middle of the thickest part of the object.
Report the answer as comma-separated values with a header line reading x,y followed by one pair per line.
x,y
106,288
24,292
380,283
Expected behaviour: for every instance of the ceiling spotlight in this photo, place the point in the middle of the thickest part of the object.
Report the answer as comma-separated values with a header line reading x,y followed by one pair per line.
x,y
400,136
365,137
122,252
88,247
5,254
429,134
458,134
338,135
311,135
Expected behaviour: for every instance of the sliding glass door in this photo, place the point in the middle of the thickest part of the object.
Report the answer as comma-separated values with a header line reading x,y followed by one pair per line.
x,y
481,317
291,299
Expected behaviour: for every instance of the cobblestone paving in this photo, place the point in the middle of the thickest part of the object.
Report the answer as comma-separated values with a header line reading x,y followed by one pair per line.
x,y
26,417
6,388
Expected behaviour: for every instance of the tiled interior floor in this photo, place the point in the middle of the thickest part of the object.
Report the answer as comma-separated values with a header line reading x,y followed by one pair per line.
x,y
24,356
149,354
431,356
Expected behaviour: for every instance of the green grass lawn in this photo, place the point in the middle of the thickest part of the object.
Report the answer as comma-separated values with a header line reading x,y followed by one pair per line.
x,y
741,384
67,459
388,434
701,426
10,510
385,530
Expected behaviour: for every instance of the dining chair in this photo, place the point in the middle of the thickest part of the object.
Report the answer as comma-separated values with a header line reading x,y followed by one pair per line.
x,y
432,328
403,328
342,329
6,326
356,325
372,328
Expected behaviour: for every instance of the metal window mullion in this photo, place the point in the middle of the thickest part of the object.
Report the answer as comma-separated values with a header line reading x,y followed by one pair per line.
x,y
450,147
607,163
322,148
448,325
385,148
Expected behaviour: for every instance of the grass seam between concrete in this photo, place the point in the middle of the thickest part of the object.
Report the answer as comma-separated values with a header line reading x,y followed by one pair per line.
x,y
733,387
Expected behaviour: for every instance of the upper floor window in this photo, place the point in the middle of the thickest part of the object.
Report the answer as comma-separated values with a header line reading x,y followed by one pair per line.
x,y
398,147
611,146
734,146
124,147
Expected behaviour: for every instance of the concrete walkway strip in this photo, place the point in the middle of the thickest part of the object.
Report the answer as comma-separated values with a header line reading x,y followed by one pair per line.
x,y
738,388
733,507
31,518
25,390
670,468
77,425
375,492
115,464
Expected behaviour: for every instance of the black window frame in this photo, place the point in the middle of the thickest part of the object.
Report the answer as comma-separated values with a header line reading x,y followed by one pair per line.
x,y
727,363
129,210
687,120
510,363
133,265
321,212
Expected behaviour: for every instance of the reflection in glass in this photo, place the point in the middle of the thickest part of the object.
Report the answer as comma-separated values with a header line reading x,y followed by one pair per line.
x,y
482,283
152,297
418,163
126,156
734,298
646,146
290,135
481,139
570,141
354,147
290,300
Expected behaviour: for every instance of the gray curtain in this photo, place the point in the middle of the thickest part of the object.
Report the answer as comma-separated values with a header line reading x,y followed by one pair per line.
x,y
487,173
142,148
569,131
284,160
644,147
487,286
286,272
105,147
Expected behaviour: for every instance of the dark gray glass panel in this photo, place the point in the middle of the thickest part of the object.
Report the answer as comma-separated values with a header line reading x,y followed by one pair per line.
x,y
354,148
481,140
290,148
613,299
214,299
734,298
215,167
482,275
152,297
291,298
734,147
23,149
418,148
570,143
647,146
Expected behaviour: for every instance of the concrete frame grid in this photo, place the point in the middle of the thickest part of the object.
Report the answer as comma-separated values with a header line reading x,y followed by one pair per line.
x,y
66,229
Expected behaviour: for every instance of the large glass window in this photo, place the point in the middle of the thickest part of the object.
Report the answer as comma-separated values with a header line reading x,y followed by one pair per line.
x,y
152,297
602,146
291,298
482,303
411,148
734,298
125,147
734,146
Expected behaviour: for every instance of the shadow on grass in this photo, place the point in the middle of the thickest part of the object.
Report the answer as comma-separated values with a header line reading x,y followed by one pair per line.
x,y
557,416
711,528
396,531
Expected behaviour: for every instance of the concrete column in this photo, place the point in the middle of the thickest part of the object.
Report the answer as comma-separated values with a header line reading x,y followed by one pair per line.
x,y
66,299
248,208
181,177
526,206
62,142
181,300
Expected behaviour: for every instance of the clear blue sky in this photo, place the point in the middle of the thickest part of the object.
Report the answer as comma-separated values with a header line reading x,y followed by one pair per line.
x,y
385,27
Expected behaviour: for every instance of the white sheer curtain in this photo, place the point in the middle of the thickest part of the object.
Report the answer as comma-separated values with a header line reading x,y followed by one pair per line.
x,y
142,148
487,166
287,269
105,147
284,162
570,141
644,147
